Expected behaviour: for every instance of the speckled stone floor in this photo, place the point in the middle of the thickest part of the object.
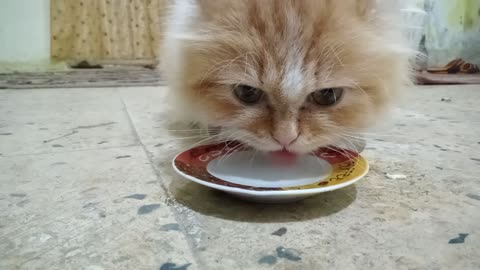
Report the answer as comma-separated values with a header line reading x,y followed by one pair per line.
x,y
85,183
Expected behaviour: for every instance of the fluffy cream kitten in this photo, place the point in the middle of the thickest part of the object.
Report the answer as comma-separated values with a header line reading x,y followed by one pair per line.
x,y
283,75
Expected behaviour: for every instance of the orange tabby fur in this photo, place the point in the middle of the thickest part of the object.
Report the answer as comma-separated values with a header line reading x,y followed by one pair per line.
x,y
289,49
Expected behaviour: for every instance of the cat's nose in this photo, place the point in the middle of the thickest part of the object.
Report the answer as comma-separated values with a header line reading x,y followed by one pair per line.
x,y
285,132
285,137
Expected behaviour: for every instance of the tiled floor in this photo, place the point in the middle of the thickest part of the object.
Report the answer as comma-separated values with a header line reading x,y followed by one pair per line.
x,y
85,183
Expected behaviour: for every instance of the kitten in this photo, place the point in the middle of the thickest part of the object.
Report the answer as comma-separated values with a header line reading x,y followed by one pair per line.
x,y
283,75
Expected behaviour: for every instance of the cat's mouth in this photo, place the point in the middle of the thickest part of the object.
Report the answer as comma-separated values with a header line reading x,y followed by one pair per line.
x,y
283,157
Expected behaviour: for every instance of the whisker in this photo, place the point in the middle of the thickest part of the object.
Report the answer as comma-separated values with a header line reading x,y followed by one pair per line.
x,y
355,139
186,138
351,143
187,131
240,144
204,141
342,152
386,134
319,160
229,153
351,157
253,157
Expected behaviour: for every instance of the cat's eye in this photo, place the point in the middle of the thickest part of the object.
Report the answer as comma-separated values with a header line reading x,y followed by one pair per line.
x,y
327,97
247,94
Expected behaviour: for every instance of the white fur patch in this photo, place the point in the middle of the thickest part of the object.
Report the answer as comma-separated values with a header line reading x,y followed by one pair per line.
x,y
293,78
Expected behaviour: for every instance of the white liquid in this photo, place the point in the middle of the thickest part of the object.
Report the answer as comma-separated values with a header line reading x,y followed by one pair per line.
x,y
258,170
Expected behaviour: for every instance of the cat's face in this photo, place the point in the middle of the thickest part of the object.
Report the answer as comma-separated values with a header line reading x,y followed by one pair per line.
x,y
293,74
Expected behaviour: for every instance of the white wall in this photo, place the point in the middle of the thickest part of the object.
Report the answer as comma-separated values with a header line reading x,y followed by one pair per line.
x,y
24,31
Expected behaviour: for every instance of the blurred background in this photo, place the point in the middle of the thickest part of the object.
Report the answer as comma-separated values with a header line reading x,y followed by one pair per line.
x,y
56,35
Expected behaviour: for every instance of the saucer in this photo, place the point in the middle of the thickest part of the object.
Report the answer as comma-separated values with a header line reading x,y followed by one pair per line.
x,y
254,176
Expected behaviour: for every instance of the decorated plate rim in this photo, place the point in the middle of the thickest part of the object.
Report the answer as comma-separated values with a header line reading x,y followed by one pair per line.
x,y
241,190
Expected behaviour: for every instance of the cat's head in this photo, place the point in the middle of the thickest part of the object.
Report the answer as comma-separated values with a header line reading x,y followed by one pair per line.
x,y
292,74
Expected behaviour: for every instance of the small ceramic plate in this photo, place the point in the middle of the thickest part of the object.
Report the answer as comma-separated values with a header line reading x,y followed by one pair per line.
x,y
250,175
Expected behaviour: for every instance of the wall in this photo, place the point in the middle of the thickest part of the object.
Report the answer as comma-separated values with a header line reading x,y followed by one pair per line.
x,y
452,31
24,33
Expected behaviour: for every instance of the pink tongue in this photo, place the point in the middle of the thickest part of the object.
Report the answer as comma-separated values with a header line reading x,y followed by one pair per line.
x,y
283,157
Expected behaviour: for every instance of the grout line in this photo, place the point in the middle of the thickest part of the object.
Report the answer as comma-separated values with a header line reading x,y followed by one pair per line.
x,y
141,144
83,86
158,174
72,151
139,141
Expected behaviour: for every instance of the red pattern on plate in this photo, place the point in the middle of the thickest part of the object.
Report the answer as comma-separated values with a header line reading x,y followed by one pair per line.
x,y
335,155
194,161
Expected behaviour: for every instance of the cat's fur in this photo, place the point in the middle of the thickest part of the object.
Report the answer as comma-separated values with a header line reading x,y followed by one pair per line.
x,y
287,48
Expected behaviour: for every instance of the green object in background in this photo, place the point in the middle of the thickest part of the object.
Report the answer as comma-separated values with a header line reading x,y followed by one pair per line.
x,y
464,14
452,31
